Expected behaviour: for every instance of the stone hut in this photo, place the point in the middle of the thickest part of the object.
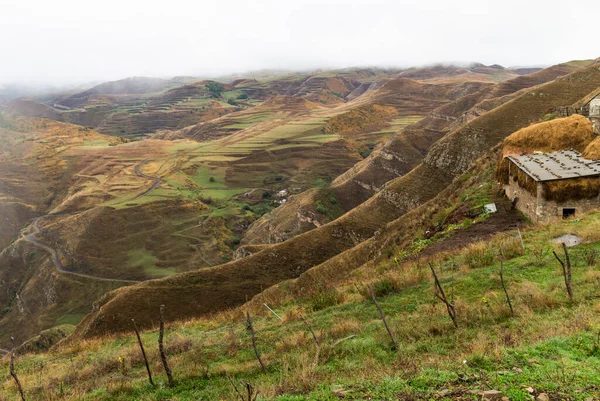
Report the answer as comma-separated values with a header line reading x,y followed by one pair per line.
x,y
550,186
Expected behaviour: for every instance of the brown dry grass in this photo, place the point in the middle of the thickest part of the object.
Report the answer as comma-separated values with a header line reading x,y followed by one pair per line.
x,y
592,151
576,188
574,132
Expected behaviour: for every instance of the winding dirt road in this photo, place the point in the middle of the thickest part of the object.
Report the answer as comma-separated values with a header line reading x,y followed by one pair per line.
x,y
155,184
54,254
35,229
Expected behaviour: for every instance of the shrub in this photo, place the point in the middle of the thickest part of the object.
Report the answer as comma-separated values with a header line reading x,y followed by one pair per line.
x,y
510,246
243,96
478,255
365,153
325,298
212,179
384,287
320,208
232,102
215,88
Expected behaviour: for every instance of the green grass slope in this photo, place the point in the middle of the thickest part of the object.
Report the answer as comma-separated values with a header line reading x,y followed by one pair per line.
x,y
549,346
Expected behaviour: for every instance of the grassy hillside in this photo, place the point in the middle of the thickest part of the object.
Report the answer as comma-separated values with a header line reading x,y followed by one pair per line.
x,y
549,346
246,277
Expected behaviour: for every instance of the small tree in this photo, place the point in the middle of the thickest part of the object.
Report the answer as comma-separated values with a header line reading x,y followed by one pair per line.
x,y
215,88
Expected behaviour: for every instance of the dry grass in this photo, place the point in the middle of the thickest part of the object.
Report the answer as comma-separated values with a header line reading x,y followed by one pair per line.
x,y
575,188
573,132
592,151
479,254
529,295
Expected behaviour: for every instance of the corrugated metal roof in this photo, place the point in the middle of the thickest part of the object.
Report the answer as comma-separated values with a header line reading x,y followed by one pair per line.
x,y
557,165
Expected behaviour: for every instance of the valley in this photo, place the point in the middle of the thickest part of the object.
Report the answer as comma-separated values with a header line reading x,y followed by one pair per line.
x,y
216,198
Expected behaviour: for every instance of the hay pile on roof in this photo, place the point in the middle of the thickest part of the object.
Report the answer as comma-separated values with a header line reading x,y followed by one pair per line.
x,y
572,189
592,151
574,132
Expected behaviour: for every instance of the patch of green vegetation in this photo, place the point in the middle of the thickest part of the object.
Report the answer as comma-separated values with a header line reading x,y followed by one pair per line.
x,y
70,318
210,178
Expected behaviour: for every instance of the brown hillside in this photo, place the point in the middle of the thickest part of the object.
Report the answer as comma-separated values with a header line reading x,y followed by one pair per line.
x,y
366,118
220,287
395,158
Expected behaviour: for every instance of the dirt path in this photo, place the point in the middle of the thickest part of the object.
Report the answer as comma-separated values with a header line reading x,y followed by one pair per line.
x,y
505,219
155,184
54,254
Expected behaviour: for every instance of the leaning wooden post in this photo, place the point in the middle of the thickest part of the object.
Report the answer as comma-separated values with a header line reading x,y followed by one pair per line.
x,y
311,330
251,327
512,312
161,347
566,269
381,314
13,373
441,295
137,333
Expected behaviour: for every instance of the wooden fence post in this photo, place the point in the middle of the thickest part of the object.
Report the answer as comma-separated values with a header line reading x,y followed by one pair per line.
x,y
161,347
382,315
13,372
566,269
137,334
251,327
311,330
441,295
512,312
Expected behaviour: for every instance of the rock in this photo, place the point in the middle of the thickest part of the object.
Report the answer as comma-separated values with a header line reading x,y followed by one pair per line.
x,y
444,392
505,398
542,397
491,395
518,370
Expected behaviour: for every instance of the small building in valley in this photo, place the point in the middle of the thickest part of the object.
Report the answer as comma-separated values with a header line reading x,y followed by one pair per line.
x,y
548,186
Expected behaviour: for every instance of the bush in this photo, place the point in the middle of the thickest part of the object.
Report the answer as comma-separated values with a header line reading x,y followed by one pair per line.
x,y
325,299
365,153
232,102
510,246
243,96
215,88
320,208
478,255
212,179
384,287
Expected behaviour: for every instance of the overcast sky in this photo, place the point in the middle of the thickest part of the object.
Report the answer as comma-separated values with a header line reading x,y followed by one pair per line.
x,y
58,41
